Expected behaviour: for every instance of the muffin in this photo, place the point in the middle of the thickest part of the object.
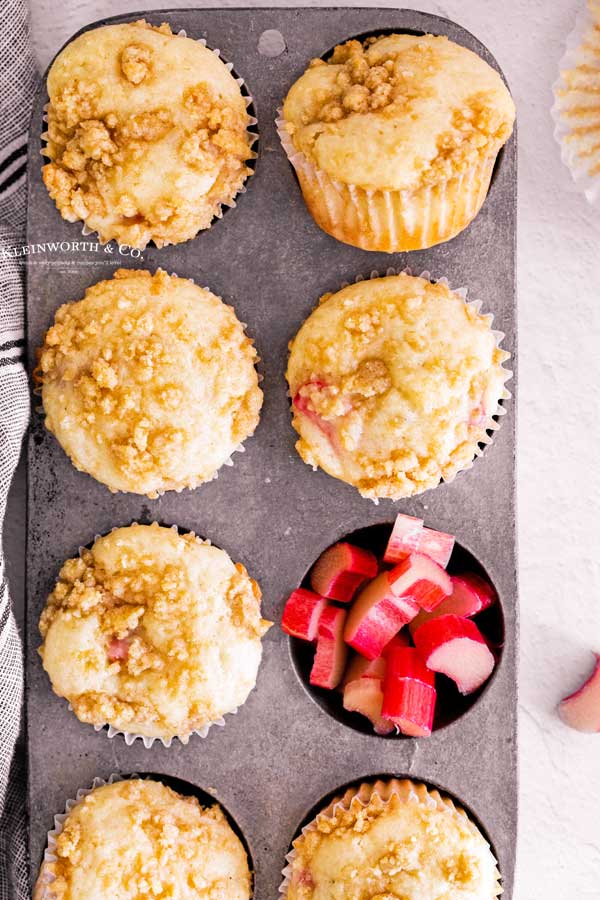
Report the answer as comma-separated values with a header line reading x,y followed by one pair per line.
x,y
147,134
394,140
149,383
155,633
394,382
135,839
575,111
391,839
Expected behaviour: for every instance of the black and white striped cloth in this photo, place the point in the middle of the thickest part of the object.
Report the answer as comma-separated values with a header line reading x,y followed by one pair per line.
x,y
17,85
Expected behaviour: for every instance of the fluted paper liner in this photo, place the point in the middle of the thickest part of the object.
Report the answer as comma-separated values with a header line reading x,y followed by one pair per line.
x,y
406,790
393,220
576,110
491,424
251,135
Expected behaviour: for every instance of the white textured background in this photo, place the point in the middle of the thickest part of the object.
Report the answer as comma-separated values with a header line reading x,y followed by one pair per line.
x,y
559,484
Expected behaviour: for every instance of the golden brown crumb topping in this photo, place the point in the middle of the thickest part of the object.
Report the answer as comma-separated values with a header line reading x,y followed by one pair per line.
x,y
149,382
152,631
157,166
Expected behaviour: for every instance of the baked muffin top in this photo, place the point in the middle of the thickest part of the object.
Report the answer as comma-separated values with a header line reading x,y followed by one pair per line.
x,y
147,134
398,112
405,842
135,839
149,382
394,382
152,632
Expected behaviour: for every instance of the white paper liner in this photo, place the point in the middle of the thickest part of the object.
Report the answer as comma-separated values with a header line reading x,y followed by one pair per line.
x,y
490,424
251,134
575,111
408,791
389,221
130,736
43,887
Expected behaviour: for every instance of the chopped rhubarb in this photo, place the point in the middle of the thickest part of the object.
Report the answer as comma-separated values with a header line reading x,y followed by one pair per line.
x,y
421,580
340,571
581,710
302,613
470,595
365,696
331,654
455,647
409,536
404,538
361,667
402,639
409,693
118,649
377,615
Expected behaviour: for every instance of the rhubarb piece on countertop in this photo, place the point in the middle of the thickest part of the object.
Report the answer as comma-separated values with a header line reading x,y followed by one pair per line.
x,y
302,613
377,615
409,693
581,710
365,696
404,538
455,647
340,571
470,595
332,652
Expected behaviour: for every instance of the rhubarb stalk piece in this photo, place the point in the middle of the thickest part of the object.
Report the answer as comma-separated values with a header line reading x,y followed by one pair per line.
x,y
365,696
332,652
409,536
377,615
340,571
455,647
302,613
581,710
470,596
409,693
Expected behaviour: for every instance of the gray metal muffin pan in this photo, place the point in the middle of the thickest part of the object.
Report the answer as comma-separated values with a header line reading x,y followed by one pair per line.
x,y
282,753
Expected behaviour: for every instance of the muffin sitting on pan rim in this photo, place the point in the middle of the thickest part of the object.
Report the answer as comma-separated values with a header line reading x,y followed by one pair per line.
x,y
394,384
149,383
147,134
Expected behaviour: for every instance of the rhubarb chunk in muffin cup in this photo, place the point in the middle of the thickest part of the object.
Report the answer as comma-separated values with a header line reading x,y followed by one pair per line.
x,y
395,383
391,839
155,633
147,134
394,140
139,838
149,383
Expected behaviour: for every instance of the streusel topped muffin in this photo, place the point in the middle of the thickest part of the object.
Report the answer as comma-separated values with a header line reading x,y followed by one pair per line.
x,y
149,382
394,382
392,839
152,632
135,839
394,140
147,134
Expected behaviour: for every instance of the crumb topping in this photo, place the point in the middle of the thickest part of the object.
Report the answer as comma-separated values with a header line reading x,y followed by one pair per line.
x,y
394,383
153,632
412,845
422,98
147,134
149,382
139,839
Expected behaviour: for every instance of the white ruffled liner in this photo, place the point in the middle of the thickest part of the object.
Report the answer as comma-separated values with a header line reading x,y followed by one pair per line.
x,y
252,138
43,889
407,790
129,736
490,425
579,51
426,216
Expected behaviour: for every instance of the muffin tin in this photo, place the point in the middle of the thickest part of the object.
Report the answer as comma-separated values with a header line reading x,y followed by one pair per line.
x,y
282,754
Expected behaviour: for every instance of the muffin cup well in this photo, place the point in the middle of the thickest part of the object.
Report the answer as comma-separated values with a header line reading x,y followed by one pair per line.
x,y
406,790
576,128
389,221
43,886
251,134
